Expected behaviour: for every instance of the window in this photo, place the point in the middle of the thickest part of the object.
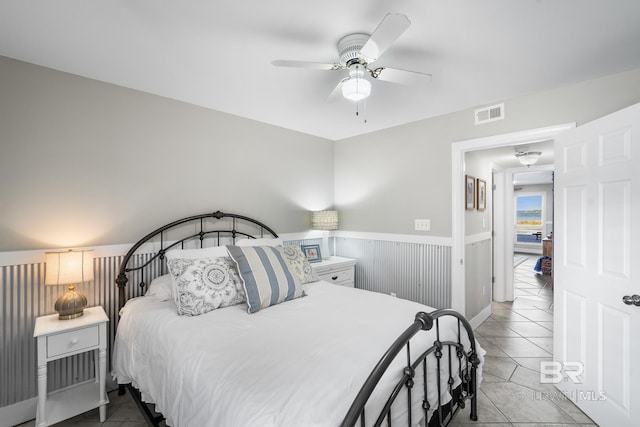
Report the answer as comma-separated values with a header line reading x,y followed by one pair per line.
x,y
529,214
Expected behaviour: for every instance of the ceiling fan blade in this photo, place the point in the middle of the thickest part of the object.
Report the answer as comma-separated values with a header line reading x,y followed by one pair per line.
x,y
336,93
306,64
395,75
391,27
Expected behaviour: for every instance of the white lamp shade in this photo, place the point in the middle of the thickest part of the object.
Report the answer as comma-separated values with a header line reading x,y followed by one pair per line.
x,y
324,220
356,89
68,267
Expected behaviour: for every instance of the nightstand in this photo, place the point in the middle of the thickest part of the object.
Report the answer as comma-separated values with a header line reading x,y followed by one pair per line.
x,y
338,270
63,338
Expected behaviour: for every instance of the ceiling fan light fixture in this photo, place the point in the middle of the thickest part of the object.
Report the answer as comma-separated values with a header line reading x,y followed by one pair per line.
x,y
528,158
356,89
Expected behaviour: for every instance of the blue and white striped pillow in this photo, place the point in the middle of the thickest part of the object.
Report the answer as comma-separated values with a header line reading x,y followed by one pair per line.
x,y
266,276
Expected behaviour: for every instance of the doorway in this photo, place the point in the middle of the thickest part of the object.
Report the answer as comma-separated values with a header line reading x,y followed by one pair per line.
x,y
504,241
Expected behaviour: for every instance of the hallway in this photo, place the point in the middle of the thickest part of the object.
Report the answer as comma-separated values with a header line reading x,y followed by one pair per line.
x,y
517,337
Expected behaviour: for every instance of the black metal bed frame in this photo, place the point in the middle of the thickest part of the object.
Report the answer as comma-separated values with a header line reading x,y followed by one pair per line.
x,y
467,358
233,232
467,371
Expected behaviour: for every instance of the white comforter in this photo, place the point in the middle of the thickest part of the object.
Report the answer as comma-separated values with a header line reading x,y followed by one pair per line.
x,y
299,363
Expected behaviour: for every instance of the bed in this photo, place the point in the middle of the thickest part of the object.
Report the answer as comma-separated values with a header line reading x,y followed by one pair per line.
x,y
313,354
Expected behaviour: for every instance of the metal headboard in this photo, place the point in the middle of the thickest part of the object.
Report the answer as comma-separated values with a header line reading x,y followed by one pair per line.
x,y
219,230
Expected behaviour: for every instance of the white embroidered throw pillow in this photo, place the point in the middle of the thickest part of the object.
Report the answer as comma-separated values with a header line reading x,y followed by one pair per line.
x,y
205,284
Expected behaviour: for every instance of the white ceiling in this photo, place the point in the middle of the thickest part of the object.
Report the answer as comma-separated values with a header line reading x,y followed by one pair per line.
x,y
504,158
218,54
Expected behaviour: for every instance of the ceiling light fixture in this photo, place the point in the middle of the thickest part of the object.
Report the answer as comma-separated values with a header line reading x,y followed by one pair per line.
x,y
528,158
357,87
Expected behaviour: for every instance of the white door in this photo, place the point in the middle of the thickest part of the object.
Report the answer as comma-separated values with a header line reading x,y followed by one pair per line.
x,y
597,263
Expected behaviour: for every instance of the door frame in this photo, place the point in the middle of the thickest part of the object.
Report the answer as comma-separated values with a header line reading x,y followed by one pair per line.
x,y
458,151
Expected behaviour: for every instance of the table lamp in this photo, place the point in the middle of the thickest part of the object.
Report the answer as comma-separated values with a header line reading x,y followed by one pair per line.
x,y
69,268
324,220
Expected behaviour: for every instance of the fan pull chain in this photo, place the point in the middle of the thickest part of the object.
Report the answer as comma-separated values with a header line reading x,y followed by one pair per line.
x,y
364,102
357,91
365,109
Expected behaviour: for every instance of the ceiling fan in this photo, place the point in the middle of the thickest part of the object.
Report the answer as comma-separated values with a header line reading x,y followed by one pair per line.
x,y
356,54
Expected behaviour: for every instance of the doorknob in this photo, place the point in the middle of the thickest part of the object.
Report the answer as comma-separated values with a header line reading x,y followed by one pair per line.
x,y
631,300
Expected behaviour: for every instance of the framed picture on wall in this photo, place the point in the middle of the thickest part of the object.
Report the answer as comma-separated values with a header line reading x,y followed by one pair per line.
x,y
312,252
481,197
470,192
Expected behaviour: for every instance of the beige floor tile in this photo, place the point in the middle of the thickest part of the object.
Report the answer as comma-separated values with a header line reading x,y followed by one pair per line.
x,y
518,347
531,379
502,315
490,348
532,363
487,413
500,368
544,343
548,325
529,329
534,314
493,328
521,404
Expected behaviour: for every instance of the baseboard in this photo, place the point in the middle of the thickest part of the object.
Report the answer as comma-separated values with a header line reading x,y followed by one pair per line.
x,y
18,413
481,317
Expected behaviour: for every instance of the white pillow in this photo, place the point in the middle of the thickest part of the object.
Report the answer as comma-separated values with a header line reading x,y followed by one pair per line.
x,y
200,253
212,252
266,276
298,263
259,242
161,288
205,284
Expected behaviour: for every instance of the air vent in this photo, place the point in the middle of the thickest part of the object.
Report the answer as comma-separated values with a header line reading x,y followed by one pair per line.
x,y
490,114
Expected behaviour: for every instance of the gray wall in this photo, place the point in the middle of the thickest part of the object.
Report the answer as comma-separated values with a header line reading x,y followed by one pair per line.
x,y
478,168
386,179
83,160
477,277
84,163
478,255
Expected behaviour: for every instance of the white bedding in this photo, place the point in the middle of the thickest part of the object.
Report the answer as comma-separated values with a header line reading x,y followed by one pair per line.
x,y
299,363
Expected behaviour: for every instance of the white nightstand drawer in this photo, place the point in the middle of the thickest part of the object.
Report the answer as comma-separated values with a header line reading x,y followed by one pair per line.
x,y
339,276
337,270
72,341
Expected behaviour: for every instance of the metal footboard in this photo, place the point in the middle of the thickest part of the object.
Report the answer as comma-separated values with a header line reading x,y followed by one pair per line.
x,y
445,353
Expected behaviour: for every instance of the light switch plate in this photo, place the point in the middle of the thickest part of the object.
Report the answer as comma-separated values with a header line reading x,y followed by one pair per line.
x,y
423,224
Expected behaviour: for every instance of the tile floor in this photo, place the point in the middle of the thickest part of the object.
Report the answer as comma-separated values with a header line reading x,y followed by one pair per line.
x,y
517,336
121,412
